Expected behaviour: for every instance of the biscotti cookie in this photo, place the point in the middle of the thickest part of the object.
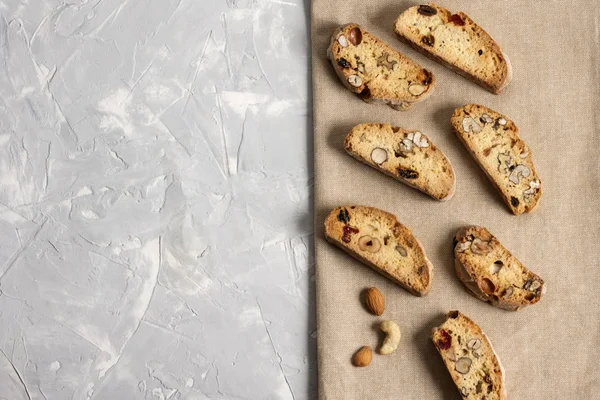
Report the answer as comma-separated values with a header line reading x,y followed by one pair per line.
x,y
376,72
470,358
492,273
408,156
493,140
457,42
376,238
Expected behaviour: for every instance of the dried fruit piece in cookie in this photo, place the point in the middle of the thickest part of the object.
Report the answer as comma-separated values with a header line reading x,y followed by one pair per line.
x,y
456,41
376,72
469,358
494,141
408,156
377,239
492,273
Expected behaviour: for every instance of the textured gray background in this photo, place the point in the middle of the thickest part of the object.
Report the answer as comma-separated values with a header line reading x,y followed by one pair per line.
x,y
155,225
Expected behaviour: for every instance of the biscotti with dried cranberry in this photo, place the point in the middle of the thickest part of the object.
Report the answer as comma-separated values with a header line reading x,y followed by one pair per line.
x,y
376,72
494,141
470,358
406,155
457,42
492,273
377,239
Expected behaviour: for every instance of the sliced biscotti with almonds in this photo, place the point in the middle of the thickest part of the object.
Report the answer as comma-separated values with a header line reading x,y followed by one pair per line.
x,y
376,72
377,239
408,156
456,41
492,273
493,140
470,358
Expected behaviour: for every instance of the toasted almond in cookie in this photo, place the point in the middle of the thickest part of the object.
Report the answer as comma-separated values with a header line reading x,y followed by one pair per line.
x,y
408,156
469,358
376,238
492,273
456,41
376,72
493,140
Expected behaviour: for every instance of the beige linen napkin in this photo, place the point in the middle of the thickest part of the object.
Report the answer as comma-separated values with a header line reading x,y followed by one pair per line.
x,y
550,350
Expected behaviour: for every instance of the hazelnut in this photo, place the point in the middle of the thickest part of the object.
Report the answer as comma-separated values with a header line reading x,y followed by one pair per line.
x,y
369,243
355,80
451,354
342,41
496,267
463,365
487,286
486,119
379,155
418,139
416,89
474,344
401,250
355,36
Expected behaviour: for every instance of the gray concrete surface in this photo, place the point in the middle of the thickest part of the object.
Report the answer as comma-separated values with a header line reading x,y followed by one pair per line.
x,y
155,211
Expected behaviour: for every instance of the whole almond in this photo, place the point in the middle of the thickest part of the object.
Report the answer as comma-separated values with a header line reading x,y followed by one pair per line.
x,y
375,301
363,357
